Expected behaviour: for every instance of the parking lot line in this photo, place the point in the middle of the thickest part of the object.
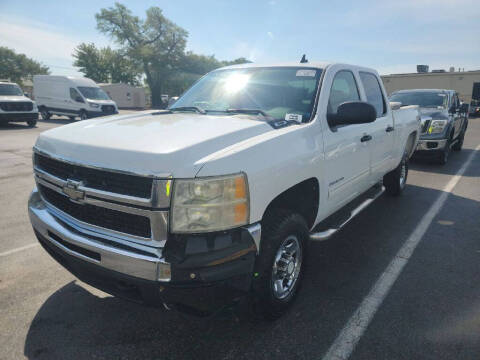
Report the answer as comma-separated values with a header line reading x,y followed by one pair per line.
x,y
345,343
21,248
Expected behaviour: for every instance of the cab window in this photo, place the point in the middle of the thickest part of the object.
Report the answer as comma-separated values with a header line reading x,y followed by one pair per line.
x,y
344,88
75,95
374,93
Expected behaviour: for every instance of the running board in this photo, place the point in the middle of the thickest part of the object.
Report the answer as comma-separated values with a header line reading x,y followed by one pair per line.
x,y
334,226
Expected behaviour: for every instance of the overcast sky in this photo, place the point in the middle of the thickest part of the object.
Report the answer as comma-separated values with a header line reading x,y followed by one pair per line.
x,y
391,36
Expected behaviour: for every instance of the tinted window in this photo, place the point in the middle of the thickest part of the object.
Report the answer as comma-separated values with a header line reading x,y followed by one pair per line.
x,y
10,90
373,92
93,93
344,88
74,94
421,98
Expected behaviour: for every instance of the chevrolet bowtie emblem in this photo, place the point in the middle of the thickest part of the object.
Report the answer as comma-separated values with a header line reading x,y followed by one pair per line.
x,y
71,190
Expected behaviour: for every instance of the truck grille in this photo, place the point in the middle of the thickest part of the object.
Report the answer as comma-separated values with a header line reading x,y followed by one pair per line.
x,y
98,216
108,109
17,106
98,179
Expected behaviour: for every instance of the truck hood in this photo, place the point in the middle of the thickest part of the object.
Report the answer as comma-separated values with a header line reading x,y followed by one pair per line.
x,y
434,113
150,143
14,98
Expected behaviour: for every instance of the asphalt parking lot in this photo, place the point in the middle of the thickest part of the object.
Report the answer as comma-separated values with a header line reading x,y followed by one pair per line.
x,y
432,311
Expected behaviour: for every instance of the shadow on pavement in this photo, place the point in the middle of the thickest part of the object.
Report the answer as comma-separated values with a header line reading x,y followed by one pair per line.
x,y
14,126
450,168
73,323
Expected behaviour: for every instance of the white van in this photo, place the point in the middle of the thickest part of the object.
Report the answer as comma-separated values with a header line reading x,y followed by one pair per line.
x,y
71,96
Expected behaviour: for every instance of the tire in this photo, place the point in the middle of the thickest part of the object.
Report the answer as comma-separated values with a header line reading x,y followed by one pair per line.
x,y
280,264
443,156
32,123
83,115
72,118
459,144
45,114
396,179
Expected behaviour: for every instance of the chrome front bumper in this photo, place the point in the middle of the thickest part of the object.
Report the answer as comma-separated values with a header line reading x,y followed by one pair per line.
x,y
142,262
430,145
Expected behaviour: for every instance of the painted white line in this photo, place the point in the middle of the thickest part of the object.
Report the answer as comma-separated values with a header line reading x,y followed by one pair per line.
x,y
348,338
21,248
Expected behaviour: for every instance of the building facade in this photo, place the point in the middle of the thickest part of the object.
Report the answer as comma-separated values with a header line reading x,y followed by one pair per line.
x,y
466,83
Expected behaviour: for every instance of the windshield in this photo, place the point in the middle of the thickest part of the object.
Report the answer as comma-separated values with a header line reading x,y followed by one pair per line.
x,y
278,92
421,98
93,93
10,90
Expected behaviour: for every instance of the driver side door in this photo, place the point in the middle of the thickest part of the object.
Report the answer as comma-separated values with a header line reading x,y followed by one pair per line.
x,y
347,153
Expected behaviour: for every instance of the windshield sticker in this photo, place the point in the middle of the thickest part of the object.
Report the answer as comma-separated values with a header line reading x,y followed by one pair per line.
x,y
306,72
293,117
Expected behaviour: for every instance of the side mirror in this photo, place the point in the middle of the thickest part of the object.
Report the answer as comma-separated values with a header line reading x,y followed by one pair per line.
x,y
453,109
395,105
79,99
26,95
353,112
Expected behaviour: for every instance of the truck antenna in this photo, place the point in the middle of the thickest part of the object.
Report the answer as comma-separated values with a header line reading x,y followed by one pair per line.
x,y
304,59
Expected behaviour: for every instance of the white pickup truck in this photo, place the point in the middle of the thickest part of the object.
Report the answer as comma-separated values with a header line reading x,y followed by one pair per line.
x,y
219,196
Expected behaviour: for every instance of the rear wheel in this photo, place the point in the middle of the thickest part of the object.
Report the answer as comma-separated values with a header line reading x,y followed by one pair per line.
x,y
280,265
396,179
32,123
72,118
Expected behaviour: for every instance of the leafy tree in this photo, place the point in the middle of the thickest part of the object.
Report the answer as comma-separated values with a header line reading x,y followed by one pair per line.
x,y
106,65
192,67
155,42
18,67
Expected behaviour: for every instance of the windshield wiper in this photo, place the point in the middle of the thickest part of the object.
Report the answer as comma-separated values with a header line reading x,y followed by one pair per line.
x,y
248,111
189,108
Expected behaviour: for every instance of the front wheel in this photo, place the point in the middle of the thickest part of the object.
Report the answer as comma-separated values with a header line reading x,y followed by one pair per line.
x,y
31,123
444,154
83,115
45,114
280,264
396,179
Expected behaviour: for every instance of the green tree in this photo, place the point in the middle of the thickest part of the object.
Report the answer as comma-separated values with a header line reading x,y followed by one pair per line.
x,y
156,43
106,65
18,67
192,67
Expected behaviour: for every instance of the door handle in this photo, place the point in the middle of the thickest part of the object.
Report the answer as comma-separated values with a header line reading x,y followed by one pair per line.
x,y
389,129
366,138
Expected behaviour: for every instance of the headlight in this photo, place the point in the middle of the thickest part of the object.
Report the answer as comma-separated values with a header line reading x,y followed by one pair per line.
x,y
437,126
94,105
209,204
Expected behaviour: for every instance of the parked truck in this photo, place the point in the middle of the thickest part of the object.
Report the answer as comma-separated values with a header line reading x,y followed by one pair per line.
x,y
444,121
217,198
15,106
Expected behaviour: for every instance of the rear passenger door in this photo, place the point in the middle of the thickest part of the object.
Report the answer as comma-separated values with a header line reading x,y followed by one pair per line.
x,y
381,130
346,156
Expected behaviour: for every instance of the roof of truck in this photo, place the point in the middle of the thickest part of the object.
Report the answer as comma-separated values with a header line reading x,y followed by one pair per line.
x,y
317,65
423,90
